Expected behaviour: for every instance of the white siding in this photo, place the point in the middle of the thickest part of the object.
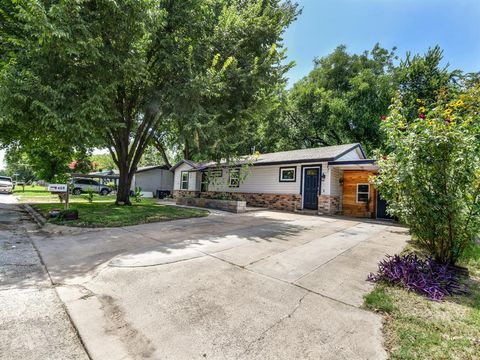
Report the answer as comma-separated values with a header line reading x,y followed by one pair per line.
x,y
355,154
335,186
265,179
192,179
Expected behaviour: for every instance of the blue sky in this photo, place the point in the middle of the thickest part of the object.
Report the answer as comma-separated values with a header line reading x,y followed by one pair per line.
x,y
407,24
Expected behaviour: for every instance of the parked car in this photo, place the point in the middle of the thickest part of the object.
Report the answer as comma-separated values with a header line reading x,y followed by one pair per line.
x,y
6,184
80,185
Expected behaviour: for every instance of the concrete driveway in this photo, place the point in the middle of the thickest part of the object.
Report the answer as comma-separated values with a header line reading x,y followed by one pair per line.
x,y
262,285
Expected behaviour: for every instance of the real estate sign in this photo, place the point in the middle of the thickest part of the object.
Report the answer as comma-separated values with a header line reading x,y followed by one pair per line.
x,y
57,188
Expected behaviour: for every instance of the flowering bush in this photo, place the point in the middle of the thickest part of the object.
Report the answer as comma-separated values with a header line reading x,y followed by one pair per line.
x,y
431,176
426,277
82,166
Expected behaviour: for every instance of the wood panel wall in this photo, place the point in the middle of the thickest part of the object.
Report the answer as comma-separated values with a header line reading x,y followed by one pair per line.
x,y
350,206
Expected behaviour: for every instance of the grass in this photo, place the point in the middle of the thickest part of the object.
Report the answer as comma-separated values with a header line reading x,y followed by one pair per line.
x,y
417,328
107,214
103,212
40,194
31,191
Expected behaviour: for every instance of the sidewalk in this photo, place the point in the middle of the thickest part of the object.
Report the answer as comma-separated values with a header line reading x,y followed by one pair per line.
x,y
33,321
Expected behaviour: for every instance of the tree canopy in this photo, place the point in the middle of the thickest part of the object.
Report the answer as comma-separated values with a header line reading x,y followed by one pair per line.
x,y
118,73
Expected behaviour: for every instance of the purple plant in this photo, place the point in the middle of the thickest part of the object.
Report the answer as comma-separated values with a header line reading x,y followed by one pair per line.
x,y
425,276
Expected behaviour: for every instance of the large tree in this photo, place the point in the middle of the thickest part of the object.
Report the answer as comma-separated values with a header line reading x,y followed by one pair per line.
x,y
340,100
421,77
119,73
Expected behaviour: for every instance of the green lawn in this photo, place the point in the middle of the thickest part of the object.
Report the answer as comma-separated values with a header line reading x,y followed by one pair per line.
x,y
417,328
40,194
106,214
103,212
31,191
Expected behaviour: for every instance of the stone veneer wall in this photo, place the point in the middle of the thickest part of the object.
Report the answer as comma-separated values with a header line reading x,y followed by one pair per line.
x,y
288,202
185,193
329,204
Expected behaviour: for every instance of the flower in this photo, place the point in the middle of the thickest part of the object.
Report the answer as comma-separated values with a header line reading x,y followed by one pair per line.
x,y
73,165
422,116
383,117
422,109
384,157
448,112
459,103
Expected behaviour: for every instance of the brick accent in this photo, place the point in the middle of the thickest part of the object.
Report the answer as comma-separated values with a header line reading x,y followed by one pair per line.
x,y
288,202
328,204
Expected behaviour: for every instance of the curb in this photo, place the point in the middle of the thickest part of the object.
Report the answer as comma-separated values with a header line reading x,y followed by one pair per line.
x,y
39,219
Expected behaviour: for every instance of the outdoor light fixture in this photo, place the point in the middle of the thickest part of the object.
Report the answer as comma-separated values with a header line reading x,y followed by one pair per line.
x,y
323,176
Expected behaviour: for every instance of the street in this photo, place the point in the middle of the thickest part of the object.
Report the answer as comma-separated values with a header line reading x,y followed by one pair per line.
x,y
34,323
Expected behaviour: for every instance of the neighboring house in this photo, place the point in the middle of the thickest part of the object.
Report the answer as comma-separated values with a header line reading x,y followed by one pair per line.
x,y
149,178
153,178
330,180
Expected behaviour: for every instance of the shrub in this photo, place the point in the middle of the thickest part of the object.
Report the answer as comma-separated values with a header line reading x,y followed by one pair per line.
x,y
112,185
431,175
90,195
424,276
137,194
71,214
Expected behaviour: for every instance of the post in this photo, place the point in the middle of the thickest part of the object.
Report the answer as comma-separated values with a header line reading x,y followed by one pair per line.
x,y
67,195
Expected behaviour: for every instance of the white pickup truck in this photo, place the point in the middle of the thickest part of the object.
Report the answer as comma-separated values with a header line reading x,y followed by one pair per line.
x,y
6,185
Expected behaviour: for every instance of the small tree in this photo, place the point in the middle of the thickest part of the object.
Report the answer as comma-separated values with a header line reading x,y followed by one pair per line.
x,y
238,167
431,178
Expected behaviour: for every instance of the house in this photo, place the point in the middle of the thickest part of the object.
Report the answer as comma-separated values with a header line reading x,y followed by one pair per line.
x,y
329,180
153,179
149,178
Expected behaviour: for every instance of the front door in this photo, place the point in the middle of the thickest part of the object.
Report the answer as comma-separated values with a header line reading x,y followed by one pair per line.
x,y
204,184
382,208
310,189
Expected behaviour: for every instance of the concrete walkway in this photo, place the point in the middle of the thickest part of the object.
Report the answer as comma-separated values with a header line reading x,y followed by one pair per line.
x,y
33,321
262,285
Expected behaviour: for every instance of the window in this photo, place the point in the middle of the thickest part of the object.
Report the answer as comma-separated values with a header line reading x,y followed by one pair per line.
x,y
287,174
216,173
363,192
234,178
184,180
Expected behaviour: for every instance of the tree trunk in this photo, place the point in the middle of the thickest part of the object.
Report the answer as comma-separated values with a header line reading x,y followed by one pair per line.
x,y
124,185
159,146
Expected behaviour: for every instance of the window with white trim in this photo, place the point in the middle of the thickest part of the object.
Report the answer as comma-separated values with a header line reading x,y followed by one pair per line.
x,y
184,176
287,174
363,193
234,178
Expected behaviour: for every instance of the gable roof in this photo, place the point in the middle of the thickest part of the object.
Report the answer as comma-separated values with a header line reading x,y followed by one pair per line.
x,y
325,153
188,162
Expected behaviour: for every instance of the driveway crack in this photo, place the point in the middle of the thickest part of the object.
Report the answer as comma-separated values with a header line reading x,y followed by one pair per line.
x,y
275,324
